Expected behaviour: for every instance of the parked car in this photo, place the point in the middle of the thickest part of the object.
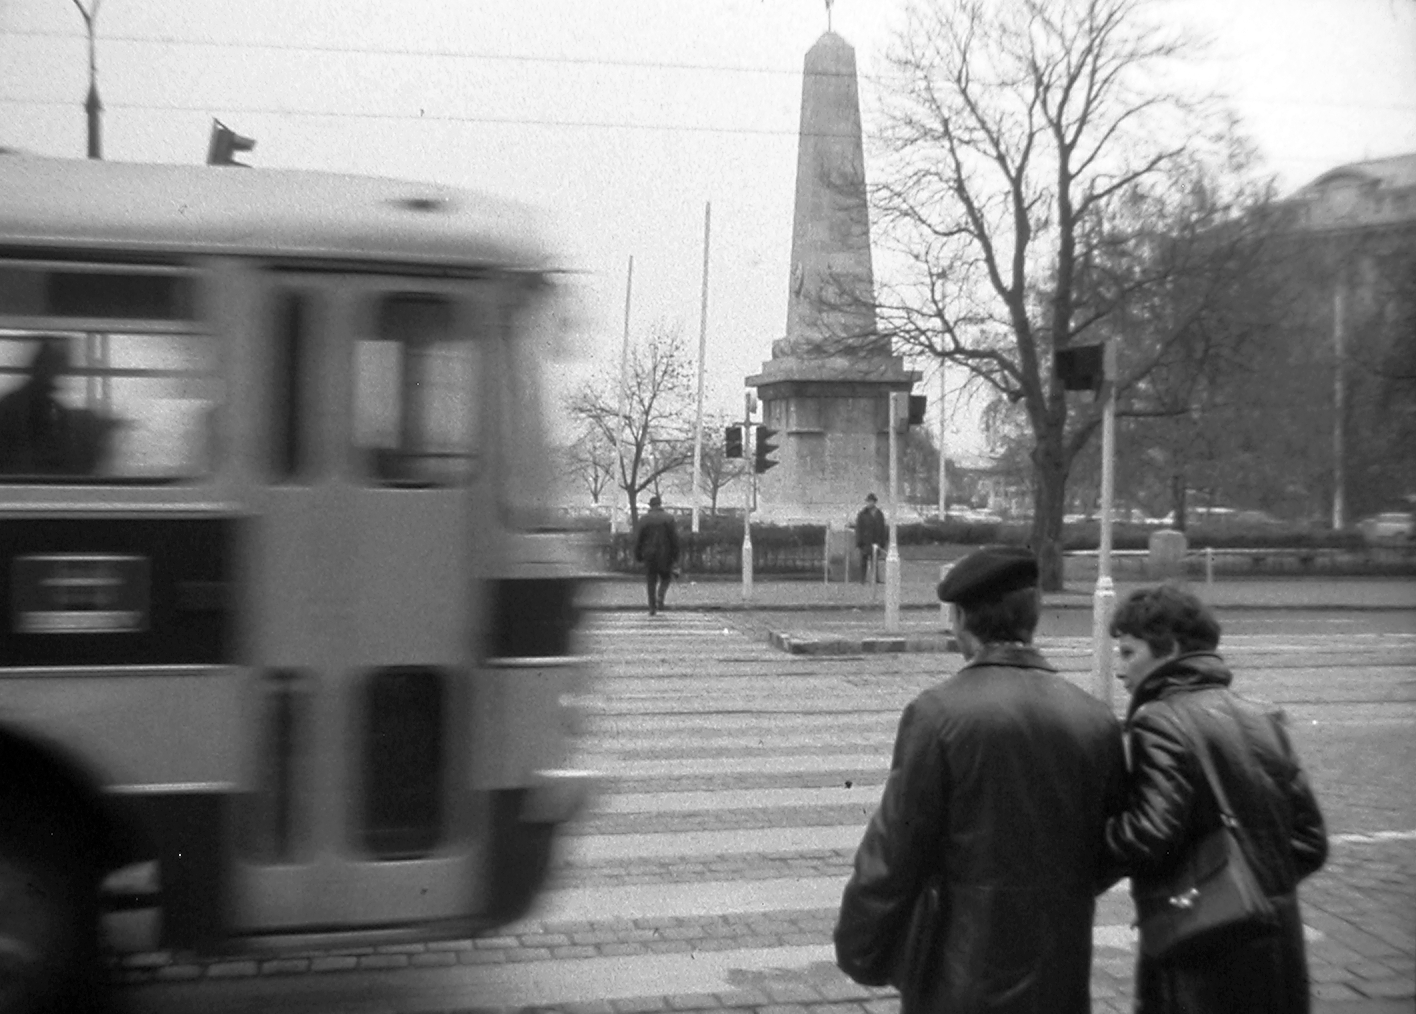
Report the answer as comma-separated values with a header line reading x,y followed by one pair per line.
x,y
1389,526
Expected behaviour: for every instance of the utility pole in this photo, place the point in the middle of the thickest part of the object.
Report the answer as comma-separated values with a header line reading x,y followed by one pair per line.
x,y
1104,597
749,488
93,106
620,408
943,460
1339,404
702,351
892,554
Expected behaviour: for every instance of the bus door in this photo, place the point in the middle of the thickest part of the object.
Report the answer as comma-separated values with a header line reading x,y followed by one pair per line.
x,y
364,539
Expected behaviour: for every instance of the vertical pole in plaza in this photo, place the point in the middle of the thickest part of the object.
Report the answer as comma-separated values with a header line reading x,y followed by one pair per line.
x,y
702,350
749,457
620,406
892,555
943,461
1104,598
1339,406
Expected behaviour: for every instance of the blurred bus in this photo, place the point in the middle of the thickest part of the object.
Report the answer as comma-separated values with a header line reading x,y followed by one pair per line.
x,y
286,648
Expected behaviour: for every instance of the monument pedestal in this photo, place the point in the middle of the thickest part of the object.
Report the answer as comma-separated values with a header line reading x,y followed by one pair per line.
x,y
832,415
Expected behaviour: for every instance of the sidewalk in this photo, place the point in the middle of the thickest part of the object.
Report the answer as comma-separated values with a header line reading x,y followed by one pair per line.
x,y
918,581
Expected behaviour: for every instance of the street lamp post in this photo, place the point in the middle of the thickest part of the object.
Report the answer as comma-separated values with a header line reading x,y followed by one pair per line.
x,y
892,554
751,476
1104,598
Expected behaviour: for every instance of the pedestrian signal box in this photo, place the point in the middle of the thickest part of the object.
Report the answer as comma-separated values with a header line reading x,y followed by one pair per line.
x,y
1081,368
732,443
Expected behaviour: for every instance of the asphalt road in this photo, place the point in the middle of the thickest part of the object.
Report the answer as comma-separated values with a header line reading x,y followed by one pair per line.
x,y
737,779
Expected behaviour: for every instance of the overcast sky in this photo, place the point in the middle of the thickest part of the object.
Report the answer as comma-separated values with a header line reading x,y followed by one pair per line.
x,y
620,118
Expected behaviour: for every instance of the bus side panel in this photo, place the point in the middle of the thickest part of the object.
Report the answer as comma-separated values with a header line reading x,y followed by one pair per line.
x,y
118,653
190,833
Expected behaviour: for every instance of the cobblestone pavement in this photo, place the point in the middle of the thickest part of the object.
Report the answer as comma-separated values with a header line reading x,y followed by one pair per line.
x,y
737,780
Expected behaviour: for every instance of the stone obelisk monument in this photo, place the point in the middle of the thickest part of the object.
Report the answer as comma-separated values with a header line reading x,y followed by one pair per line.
x,y
826,388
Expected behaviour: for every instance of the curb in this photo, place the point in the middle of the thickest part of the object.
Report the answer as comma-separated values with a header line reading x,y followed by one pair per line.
x,y
810,644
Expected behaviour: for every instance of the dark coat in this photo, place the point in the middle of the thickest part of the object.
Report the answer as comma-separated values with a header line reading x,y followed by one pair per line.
x,y
656,542
870,526
1001,781
1170,807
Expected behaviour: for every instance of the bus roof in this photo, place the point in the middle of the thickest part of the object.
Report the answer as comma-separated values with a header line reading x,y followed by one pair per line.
x,y
118,206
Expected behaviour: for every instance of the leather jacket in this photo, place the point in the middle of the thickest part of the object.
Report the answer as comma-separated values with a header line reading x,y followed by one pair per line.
x,y
1000,784
1170,807
1169,803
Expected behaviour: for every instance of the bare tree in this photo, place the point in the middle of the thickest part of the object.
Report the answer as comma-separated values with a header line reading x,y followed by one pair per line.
x,y
590,457
655,433
1027,144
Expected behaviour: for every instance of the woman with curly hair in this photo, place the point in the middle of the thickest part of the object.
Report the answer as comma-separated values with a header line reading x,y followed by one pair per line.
x,y
1182,710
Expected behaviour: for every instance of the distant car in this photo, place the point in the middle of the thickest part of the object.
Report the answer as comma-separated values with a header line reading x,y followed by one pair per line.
x,y
1257,519
1391,526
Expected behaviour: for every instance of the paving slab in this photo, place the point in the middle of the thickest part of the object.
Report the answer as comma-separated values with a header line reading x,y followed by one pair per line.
x,y
918,582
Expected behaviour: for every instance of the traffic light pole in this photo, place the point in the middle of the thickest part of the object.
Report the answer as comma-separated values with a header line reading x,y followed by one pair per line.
x,y
751,473
892,555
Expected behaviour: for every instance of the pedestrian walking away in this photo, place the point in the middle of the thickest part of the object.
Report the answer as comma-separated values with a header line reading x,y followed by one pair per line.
x,y
656,546
1201,755
871,533
974,886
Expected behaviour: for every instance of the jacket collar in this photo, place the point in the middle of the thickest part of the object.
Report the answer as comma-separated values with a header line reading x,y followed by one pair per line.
x,y
1196,671
1011,653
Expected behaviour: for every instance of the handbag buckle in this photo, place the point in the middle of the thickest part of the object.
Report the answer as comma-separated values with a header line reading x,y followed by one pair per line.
x,y
1186,900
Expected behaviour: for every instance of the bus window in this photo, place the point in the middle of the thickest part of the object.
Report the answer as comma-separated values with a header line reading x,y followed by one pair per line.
x,y
415,397
114,406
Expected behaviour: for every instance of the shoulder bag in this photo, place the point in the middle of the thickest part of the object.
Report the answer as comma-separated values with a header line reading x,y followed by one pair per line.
x,y
1213,893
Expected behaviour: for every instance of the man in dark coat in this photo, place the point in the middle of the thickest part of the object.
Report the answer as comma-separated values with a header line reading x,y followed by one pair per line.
x,y
656,546
999,789
871,534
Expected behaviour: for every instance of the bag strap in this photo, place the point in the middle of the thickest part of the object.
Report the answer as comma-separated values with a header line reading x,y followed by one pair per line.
x,y
1226,812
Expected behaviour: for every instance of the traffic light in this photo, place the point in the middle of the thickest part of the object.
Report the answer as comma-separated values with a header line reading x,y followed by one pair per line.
x,y
1081,368
732,446
907,409
225,143
764,448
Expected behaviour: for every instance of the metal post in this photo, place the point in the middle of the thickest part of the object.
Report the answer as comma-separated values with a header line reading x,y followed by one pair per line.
x,y
943,461
892,555
702,349
620,409
1339,406
748,454
1104,598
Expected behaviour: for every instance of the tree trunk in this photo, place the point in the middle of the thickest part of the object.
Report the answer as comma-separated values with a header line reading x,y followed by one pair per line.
x,y
1177,500
1049,492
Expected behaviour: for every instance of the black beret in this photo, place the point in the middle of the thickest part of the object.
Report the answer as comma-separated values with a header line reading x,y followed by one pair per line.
x,y
989,573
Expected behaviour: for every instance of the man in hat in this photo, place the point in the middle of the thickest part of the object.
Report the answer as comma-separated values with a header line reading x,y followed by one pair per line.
x,y
656,546
871,534
1002,778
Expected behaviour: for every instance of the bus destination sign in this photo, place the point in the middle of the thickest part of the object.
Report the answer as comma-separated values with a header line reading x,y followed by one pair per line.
x,y
80,593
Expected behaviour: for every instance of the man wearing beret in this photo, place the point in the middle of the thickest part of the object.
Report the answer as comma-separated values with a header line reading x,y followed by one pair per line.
x,y
1000,784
